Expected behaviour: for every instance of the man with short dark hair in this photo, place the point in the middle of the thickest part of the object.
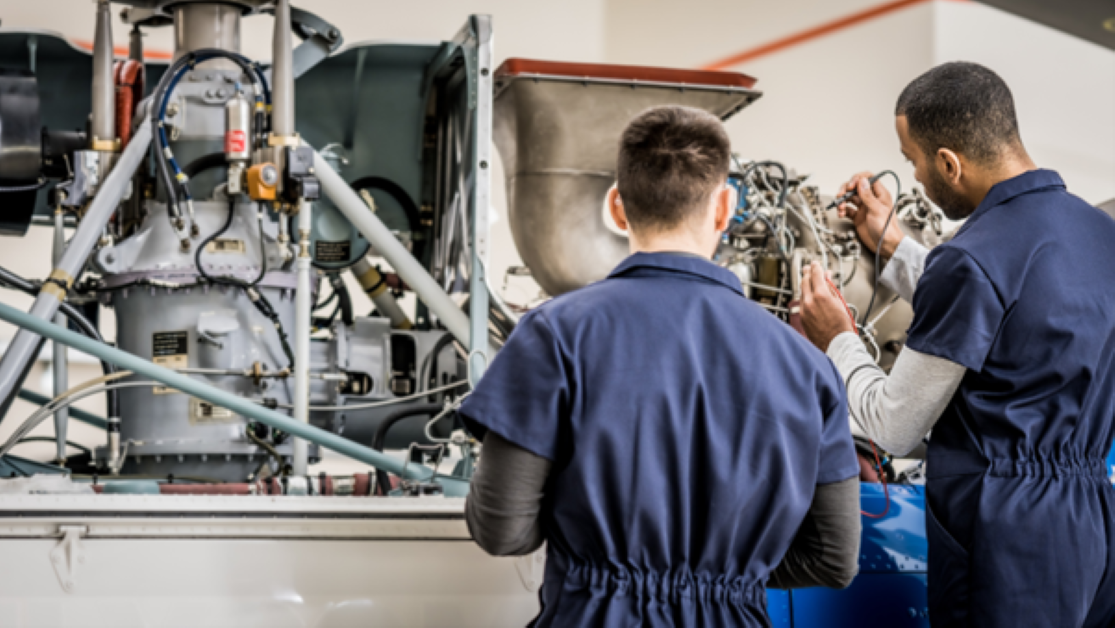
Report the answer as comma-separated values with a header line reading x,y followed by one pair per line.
x,y
1008,361
675,445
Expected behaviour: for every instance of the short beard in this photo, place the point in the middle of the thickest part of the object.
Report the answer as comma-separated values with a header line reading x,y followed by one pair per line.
x,y
955,206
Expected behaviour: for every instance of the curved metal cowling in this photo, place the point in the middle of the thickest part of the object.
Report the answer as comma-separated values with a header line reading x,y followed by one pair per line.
x,y
557,129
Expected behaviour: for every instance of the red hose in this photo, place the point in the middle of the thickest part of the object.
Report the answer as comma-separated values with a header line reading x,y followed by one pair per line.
x,y
129,91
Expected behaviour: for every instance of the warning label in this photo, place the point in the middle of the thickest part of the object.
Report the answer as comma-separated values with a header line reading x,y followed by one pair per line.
x,y
236,142
170,349
223,245
332,251
203,412
166,343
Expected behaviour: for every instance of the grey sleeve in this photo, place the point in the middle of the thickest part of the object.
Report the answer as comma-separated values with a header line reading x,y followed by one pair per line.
x,y
825,551
505,500
898,410
903,271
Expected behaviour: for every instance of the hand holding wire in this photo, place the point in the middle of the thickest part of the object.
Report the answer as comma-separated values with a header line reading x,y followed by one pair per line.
x,y
824,313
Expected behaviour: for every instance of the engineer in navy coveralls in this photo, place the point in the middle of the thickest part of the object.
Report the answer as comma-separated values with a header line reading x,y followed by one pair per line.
x,y
1008,362
676,446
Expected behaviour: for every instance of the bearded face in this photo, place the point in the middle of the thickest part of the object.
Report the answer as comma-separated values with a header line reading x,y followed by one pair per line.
x,y
951,202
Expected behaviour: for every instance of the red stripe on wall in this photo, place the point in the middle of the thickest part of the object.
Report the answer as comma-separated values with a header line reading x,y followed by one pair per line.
x,y
813,33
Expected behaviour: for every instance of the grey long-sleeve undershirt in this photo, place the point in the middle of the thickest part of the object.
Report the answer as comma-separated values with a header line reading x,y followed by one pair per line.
x,y
505,503
898,410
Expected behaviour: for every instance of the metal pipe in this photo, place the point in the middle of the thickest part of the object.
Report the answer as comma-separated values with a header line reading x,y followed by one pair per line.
x,y
104,89
88,418
374,285
60,364
303,312
385,242
203,25
282,73
454,487
25,346
135,44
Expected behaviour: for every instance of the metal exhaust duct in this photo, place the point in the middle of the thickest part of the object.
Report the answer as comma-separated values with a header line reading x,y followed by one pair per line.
x,y
557,129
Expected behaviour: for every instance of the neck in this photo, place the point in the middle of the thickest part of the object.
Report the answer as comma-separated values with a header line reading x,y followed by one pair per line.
x,y
1017,163
670,242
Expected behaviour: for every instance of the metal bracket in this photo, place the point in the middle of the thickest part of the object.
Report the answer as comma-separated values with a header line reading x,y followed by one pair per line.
x,y
319,39
68,554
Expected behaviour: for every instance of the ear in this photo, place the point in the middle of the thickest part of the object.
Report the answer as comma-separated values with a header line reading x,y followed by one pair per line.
x,y
949,165
615,208
726,199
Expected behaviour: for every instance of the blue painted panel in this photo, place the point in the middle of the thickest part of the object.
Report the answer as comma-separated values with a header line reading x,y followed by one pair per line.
x,y
892,600
895,542
778,607
1111,465
891,587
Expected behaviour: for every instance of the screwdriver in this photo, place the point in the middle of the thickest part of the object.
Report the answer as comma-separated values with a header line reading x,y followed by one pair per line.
x,y
848,196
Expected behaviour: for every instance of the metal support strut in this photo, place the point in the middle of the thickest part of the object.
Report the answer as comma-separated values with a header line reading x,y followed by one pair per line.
x,y
25,346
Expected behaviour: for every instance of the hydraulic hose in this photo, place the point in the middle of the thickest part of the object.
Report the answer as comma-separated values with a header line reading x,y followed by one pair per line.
x,y
395,191
203,163
78,319
385,425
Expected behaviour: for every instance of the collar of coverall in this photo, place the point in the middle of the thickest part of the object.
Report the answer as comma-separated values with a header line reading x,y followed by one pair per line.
x,y
682,264
1004,191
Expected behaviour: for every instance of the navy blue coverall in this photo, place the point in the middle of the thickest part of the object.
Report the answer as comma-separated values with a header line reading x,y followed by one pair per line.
x,y
1020,513
688,428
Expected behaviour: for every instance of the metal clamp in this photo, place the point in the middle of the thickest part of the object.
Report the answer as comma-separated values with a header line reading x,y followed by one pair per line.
x,y
67,555
105,146
284,140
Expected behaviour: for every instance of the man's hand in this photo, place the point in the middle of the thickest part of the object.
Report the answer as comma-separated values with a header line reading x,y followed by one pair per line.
x,y
869,210
823,313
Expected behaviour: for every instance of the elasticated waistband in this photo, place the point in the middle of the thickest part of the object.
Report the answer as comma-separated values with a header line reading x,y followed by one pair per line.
x,y
669,587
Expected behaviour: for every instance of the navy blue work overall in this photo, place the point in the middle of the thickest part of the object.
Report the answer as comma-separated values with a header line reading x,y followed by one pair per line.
x,y
1020,512
688,428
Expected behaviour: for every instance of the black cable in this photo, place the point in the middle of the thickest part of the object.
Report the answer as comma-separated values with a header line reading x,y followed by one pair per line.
x,y
256,297
879,245
157,105
396,192
344,300
431,358
203,163
321,305
75,316
385,425
24,188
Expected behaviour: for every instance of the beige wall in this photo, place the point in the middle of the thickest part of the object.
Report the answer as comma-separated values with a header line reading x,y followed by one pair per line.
x,y
827,107
1064,89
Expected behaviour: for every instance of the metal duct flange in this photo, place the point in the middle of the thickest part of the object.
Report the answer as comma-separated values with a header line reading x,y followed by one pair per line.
x,y
557,129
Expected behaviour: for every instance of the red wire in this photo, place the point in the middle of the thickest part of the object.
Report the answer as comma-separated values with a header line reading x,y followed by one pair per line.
x,y
878,463
883,479
842,301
